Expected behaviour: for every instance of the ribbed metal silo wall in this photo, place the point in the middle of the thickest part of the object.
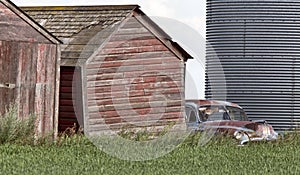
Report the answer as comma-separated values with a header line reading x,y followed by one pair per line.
x,y
255,46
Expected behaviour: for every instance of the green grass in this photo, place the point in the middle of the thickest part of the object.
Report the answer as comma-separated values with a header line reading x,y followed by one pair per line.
x,y
22,153
220,156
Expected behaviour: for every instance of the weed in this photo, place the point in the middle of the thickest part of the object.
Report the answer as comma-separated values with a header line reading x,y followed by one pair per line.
x,y
16,130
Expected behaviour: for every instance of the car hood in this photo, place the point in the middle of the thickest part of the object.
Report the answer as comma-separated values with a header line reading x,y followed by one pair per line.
x,y
246,130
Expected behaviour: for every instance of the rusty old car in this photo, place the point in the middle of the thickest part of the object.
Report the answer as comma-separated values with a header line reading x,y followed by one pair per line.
x,y
226,118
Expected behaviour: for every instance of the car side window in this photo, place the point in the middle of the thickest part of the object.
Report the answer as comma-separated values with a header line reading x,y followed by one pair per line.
x,y
192,117
187,112
237,114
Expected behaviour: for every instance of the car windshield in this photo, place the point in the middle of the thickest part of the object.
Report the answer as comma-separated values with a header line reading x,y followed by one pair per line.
x,y
237,113
211,113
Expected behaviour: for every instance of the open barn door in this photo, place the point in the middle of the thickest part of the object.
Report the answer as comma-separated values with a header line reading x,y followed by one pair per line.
x,y
70,99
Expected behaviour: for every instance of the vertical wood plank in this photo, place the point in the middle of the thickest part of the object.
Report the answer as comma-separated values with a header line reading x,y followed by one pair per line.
x,y
39,103
56,94
2,53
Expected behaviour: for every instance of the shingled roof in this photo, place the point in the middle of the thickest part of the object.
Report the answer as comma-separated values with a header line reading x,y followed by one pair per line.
x,y
77,26
66,21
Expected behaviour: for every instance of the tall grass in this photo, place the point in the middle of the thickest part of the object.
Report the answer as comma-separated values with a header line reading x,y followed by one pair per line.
x,y
16,130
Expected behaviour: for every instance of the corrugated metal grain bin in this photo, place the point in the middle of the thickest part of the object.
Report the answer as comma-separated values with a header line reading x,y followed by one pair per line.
x,y
257,44
130,72
29,57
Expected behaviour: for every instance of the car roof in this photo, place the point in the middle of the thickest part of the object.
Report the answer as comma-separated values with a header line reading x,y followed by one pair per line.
x,y
213,103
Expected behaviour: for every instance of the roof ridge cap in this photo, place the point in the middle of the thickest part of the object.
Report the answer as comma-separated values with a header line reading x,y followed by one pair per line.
x,y
78,7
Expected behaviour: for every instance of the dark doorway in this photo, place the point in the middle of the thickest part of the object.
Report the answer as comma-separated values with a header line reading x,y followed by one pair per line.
x,y
70,99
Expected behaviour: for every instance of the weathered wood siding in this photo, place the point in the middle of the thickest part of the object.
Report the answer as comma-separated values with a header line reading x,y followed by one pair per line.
x,y
13,28
27,77
28,69
134,81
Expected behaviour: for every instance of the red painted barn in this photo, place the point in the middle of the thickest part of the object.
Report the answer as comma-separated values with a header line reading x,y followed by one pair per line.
x,y
29,56
118,69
